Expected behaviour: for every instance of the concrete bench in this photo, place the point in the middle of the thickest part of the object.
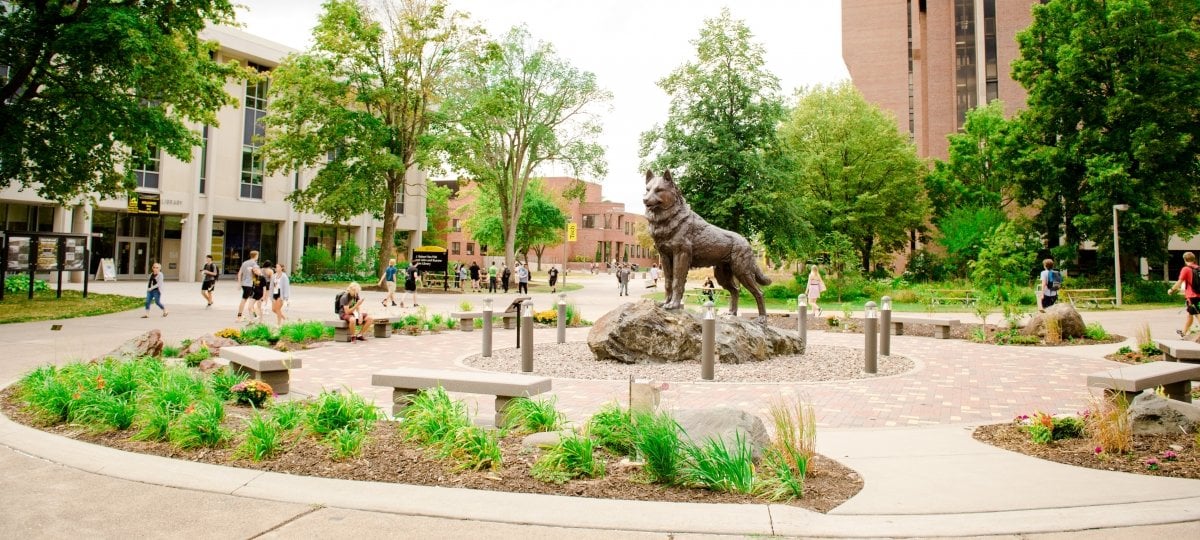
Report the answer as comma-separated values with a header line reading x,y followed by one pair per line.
x,y
263,364
505,386
466,319
341,329
942,330
1179,350
1175,377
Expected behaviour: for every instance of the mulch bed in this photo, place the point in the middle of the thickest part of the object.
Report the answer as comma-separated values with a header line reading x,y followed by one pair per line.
x,y
959,331
387,457
1082,452
1133,358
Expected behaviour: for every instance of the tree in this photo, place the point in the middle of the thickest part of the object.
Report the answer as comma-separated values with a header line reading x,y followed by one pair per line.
x,y
541,225
363,103
857,175
521,107
89,85
1112,118
437,214
719,138
964,231
975,173
1008,256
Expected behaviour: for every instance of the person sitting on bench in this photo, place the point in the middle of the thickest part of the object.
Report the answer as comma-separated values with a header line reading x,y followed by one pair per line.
x,y
350,303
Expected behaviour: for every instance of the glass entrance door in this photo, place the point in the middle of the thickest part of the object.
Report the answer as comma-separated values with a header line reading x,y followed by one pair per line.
x,y
133,257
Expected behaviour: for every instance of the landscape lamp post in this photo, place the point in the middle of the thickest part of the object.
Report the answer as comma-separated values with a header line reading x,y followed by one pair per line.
x,y
562,318
487,327
527,336
885,325
802,311
1117,248
708,341
871,332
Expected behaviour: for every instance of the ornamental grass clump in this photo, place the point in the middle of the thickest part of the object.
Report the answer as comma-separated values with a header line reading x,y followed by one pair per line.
x,y
193,359
612,428
222,381
48,393
657,440
332,411
795,438
529,415
264,438
1108,424
164,400
347,442
573,457
432,417
287,414
473,447
200,425
305,331
102,411
719,466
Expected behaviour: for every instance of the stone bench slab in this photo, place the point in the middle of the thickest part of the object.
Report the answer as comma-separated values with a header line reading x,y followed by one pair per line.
x,y
943,325
505,386
1178,349
1174,377
260,363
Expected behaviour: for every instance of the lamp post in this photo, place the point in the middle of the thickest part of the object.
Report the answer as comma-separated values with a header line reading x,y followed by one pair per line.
x,y
527,337
871,332
802,309
708,341
1117,247
561,319
885,326
487,327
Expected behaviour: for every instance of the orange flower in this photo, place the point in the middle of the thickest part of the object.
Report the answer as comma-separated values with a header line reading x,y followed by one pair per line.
x,y
99,382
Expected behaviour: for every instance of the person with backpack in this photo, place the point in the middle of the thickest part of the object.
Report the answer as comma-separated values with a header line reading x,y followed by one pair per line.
x,y
1189,283
348,306
522,278
1051,283
209,280
411,275
389,278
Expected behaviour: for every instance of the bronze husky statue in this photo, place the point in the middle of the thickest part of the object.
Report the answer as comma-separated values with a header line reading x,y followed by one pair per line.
x,y
684,241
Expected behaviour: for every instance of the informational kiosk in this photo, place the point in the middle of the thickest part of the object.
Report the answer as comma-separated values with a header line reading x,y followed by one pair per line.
x,y
33,252
433,260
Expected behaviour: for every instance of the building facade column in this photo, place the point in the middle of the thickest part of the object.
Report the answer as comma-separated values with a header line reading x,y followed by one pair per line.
x,y
81,223
204,235
297,244
980,56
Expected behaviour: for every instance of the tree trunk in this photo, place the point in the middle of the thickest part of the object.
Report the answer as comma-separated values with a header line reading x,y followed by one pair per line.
x,y
387,247
868,244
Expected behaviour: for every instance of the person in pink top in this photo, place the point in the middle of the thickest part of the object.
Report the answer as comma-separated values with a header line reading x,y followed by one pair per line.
x,y
1189,283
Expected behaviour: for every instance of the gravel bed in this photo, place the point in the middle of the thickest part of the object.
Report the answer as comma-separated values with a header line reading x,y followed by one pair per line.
x,y
576,361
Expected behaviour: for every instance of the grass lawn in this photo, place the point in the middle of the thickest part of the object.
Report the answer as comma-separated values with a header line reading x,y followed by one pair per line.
x,y
16,307
832,307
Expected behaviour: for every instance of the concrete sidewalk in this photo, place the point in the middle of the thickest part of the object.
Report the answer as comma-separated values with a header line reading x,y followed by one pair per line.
x,y
931,480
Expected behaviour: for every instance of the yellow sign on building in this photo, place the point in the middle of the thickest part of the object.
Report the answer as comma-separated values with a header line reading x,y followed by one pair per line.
x,y
572,232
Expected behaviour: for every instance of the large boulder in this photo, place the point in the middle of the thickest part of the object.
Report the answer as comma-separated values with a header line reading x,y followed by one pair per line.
x,y
724,423
211,342
1070,323
1152,414
148,344
642,332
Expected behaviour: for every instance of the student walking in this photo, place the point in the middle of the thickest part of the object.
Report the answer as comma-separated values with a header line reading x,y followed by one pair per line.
x,y
552,275
522,279
411,275
154,290
474,276
245,277
281,291
623,280
1189,283
389,278
208,283
492,273
505,277
1051,282
816,286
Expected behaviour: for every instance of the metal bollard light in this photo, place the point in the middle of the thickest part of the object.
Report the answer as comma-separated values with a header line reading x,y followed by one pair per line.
x,y
527,336
871,331
562,318
708,341
487,327
802,324
885,326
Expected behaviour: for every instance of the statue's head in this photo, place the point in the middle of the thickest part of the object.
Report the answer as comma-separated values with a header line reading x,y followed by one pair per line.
x,y
661,192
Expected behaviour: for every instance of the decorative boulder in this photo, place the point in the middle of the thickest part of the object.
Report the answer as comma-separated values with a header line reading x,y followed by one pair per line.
x,y
148,344
211,342
1070,323
545,439
642,332
724,423
1152,414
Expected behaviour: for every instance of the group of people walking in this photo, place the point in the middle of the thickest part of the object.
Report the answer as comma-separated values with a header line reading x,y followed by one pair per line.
x,y
495,279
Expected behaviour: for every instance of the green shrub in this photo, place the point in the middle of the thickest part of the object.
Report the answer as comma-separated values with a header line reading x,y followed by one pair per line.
x,y
718,467
1008,256
1125,349
264,438
1150,349
784,481
194,358
432,417
200,425
347,259
47,393
1040,434
287,414
169,351
332,411
1144,291
473,447
19,283
924,266
612,428
1095,331
223,380
164,400
101,410
781,291
572,457
257,334
528,415
316,261
347,442
656,438
305,331
1067,427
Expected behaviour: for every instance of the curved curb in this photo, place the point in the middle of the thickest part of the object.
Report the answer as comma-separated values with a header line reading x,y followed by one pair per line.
x,y
573,512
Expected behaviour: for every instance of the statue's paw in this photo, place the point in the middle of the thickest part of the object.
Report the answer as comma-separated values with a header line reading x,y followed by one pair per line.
x,y
672,305
731,313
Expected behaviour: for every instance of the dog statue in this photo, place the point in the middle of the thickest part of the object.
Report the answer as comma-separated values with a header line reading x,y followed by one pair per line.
x,y
686,241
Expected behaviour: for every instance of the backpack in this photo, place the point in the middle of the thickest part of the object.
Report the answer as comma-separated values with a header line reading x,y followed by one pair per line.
x,y
1195,279
1054,281
337,303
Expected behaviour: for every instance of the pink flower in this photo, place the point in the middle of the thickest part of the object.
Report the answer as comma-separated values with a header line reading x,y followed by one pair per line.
x,y
1151,464
1169,455
1099,449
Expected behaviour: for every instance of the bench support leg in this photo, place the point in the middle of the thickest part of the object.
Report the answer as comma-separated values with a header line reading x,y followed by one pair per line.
x,y
341,335
508,321
501,406
1167,356
400,399
941,332
466,325
383,330
897,329
1181,391
279,380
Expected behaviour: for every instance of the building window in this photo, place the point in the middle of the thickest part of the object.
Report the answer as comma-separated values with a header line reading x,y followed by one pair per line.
x,y
470,248
455,226
455,248
965,81
589,221
253,131
483,249
400,203
147,169
607,221
296,181
989,50
204,160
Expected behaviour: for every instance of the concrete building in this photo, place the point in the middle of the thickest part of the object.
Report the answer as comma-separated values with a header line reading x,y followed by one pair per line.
x,y
604,230
220,202
930,61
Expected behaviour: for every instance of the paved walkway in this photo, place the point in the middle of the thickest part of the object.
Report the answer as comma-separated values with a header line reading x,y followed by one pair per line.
x,y
924,475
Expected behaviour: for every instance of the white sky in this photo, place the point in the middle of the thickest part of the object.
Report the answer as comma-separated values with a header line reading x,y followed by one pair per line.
x,y
629,45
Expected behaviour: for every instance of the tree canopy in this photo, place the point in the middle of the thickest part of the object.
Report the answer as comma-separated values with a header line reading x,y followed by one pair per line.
x,y
975,174
89,85
364,102
719,138
520,107
541,225
437,214
1113,117
856,173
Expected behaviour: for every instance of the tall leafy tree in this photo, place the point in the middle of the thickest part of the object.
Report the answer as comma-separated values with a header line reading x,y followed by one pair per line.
x,y
363,103
541,225
521,107
87,85
1113,117
976,172
857,174
437,214
719,138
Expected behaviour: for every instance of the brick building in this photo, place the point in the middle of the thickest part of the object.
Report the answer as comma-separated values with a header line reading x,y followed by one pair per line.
x,y
605,231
